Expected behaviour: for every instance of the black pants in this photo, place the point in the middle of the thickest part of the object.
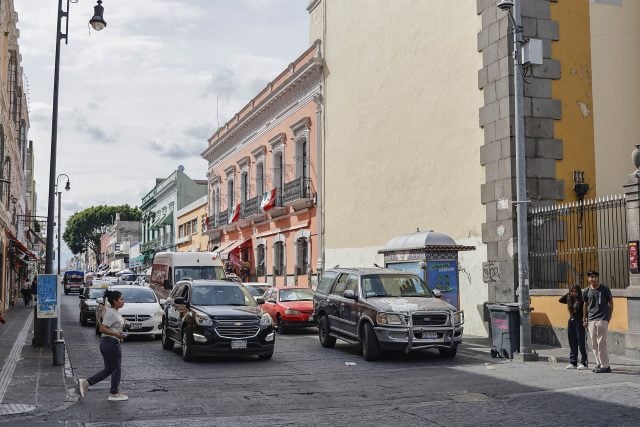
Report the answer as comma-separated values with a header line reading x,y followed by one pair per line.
x,y
110,349
577,339
26,296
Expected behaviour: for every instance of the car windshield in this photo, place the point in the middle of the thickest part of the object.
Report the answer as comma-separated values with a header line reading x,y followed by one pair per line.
x,y
221,295
394,285
296,295
141,295
199,273
96,293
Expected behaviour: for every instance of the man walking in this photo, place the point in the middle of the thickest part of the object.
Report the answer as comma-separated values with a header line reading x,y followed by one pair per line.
x,y
598,309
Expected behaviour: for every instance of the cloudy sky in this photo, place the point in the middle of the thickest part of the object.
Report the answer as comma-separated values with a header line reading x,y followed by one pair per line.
x,y
142,96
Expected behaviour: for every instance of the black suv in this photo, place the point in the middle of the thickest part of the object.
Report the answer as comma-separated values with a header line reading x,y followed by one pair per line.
x,y
216,318
387,309
88,304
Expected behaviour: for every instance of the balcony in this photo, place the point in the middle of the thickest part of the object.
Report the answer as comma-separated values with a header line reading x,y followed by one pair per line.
x,y
279,208
251,210
297,193
159,243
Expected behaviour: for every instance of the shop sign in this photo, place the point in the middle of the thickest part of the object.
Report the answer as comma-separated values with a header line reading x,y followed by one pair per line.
x,y
407,256
633,257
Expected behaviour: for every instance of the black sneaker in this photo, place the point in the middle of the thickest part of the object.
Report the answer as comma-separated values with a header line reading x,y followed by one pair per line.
x,y
596,368
603,370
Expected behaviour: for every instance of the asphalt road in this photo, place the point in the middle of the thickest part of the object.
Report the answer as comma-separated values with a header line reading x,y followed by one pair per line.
x,y
305,384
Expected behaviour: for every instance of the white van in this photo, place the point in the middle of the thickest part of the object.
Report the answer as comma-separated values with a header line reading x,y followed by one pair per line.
x,y
170,267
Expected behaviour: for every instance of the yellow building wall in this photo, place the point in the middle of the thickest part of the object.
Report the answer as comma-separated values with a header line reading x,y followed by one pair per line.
x,y
199,240
574,89
547,311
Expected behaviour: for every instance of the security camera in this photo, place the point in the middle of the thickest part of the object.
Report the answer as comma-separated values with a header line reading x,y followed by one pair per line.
x,y
505,5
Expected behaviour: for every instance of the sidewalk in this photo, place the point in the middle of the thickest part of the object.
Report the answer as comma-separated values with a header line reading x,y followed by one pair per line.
x,y
552,354
29,383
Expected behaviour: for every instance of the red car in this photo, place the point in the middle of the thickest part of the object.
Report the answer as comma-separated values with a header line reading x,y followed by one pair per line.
x,y
289,307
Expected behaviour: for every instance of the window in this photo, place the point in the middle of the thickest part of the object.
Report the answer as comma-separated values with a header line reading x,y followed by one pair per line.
x,y
194,226
188,229
302,159
244,187
340,287
2,174
259,179
325,282
278,171
352,284
12,82
181,231
278,259
260,261
230,195
302,256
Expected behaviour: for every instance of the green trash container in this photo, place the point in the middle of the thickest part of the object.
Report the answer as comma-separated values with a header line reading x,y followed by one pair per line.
x,y
505,329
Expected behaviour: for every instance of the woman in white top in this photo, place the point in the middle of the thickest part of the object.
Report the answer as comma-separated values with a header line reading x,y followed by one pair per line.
x,y
112,332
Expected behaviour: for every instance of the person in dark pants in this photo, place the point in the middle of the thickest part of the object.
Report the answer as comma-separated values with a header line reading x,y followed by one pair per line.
x,y
34,289
26,293
575,328
112,327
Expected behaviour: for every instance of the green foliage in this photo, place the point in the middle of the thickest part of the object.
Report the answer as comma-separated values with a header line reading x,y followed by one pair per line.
x,y
85,227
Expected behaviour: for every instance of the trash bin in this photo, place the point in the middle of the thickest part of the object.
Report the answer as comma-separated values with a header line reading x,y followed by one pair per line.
x,y
505,329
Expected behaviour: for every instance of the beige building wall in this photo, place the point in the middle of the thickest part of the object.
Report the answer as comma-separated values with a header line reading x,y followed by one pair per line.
x,y
615,37
402,138
191,236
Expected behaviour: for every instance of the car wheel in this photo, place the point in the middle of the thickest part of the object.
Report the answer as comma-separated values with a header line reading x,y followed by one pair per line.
x,y
167,343
370,345
280,325
449,353
157,337
265,356
187,356
83,320
326,340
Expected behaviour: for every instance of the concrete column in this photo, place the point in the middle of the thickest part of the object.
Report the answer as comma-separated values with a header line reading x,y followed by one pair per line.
x,y
632,194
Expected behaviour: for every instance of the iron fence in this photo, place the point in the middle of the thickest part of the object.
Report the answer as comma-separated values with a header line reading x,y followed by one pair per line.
x,y
567,240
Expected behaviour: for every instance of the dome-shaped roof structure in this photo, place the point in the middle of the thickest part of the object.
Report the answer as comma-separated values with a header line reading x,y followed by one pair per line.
x,y
423,240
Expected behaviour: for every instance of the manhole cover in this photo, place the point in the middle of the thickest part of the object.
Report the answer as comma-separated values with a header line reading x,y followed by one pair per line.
x,y
468,397
15,408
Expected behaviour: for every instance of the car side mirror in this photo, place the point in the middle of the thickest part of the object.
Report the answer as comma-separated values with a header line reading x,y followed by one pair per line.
x,y
260,300
167,284
437,293
100,300
178,300
349,294
163,302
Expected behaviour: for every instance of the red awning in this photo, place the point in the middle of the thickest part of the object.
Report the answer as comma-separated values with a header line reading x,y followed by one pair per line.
x,y
19,245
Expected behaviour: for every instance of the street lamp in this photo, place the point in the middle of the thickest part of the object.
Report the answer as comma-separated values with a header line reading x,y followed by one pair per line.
x,y
44,327
67,187
512,7
58,355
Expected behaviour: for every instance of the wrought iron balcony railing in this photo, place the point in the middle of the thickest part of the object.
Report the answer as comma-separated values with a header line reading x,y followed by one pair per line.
x,y
299,188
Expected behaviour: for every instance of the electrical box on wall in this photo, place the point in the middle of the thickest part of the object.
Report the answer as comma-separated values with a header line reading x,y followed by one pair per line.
x,y
532,52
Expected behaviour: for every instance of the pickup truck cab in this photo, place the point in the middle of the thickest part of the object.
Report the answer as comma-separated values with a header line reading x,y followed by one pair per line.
x,y
383,309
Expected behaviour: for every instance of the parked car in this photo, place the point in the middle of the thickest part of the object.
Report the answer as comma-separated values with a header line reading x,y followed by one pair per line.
x,y
142,310
88,304
386,309
260,287
216,318
290,307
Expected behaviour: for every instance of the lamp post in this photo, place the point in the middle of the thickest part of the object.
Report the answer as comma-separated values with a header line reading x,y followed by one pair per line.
x,y
44,327
512,7
58,343
67,187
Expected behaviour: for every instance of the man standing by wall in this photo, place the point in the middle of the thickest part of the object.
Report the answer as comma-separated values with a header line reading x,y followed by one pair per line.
x,y
598,309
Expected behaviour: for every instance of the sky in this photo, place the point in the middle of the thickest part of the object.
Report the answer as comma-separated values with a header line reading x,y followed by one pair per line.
x,y
142,96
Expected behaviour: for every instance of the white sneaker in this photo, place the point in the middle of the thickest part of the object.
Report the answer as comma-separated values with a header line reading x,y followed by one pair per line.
x,y
117,397
83,386
570,366
582,367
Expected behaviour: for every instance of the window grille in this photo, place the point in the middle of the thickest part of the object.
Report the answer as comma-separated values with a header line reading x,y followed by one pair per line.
x,y
278,259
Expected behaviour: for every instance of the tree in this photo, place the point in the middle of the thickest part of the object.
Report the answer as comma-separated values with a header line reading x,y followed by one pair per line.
x,y
85,227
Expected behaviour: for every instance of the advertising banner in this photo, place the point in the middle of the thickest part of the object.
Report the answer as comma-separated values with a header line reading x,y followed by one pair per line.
x,y
443,275
47,296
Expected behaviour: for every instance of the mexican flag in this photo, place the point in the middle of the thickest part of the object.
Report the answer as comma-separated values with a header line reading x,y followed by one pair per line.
x,y
268,200
236,214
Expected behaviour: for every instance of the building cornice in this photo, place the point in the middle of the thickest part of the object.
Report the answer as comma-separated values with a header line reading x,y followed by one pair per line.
x,y
259,152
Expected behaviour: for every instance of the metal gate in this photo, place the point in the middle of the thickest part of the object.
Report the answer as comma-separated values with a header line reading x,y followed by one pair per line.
x,y
567,240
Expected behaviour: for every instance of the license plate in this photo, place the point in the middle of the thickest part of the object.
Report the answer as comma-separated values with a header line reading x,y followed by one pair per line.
x,y
238,344
429,335
135,325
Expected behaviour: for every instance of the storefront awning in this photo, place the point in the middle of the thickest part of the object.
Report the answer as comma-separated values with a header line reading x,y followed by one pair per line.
x,y
19,246
224,250
165,220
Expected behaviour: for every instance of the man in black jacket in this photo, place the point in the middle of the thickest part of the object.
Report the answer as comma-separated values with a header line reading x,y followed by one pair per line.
x,y
598,309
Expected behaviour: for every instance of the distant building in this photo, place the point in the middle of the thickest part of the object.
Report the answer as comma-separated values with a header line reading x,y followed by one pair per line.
x,y
191,235
160,209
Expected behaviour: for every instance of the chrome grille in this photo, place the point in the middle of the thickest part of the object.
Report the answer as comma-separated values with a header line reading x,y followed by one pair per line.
x,y
429,319
136,317
237,328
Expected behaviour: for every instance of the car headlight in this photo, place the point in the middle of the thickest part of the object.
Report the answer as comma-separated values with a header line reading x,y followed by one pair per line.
x,y
291,312
458,317
390,319
266,320
203,320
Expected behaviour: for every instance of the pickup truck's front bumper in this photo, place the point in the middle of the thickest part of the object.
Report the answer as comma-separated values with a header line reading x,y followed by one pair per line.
x,y
413,337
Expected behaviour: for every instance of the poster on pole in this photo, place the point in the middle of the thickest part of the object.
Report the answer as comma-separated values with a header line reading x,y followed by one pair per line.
x,y
443,275
47,296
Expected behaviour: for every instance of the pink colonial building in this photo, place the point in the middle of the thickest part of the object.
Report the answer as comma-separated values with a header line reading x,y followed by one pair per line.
x,y
263,175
